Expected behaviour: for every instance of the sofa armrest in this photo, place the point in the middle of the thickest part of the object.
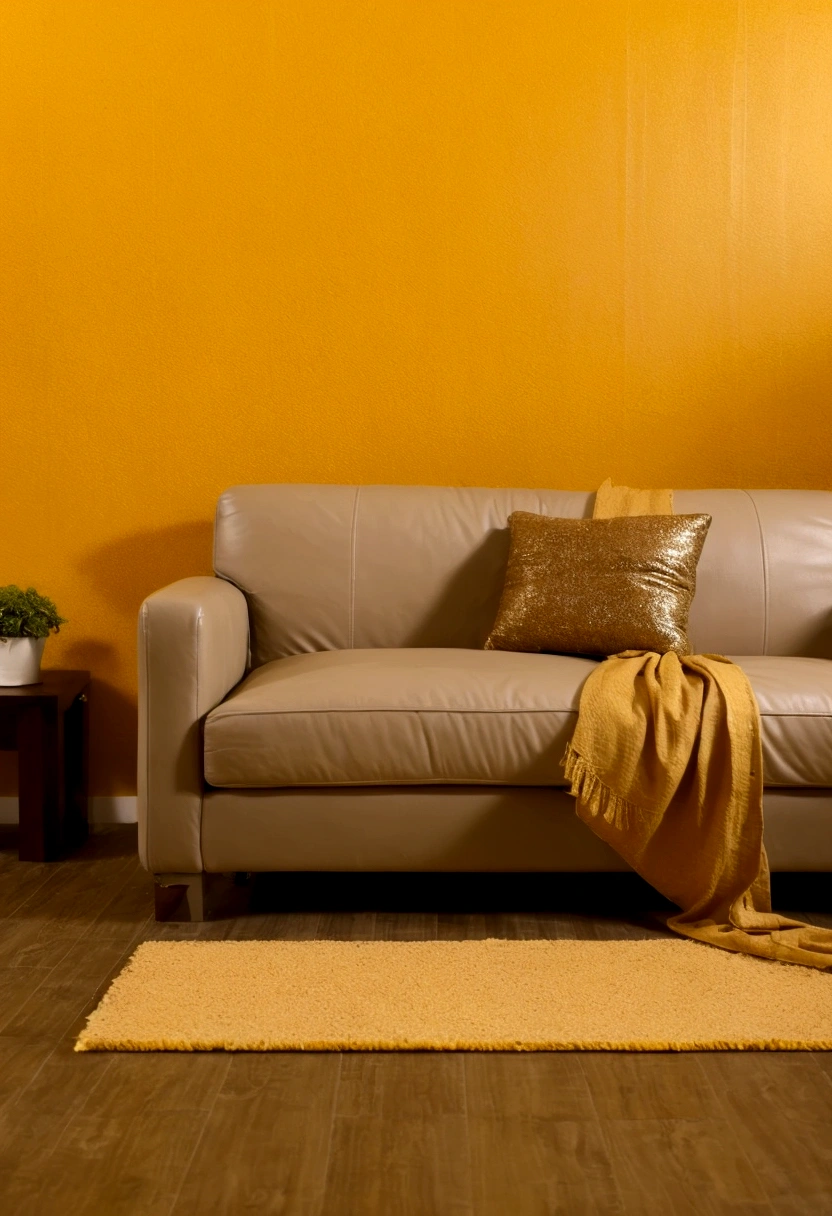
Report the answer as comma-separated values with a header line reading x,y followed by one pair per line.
x,y
193,649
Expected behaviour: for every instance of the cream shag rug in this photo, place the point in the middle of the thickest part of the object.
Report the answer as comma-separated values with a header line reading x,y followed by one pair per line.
x,y
493,995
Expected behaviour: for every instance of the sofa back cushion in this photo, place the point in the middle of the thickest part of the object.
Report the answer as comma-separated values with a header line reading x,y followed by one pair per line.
x,y
334,567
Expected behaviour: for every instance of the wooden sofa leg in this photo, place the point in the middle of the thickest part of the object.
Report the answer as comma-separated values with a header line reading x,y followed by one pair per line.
x,y
180,896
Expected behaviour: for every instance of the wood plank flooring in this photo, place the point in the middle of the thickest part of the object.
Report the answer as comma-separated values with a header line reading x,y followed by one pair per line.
x,y
320,1134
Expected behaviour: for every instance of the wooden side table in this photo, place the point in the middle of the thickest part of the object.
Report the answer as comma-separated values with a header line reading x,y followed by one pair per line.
x,y
48,725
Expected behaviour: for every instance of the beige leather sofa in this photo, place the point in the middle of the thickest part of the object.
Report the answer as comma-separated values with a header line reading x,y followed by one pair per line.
x,y
325,703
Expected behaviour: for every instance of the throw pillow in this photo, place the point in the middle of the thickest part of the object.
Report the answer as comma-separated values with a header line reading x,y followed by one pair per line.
x,y
599,586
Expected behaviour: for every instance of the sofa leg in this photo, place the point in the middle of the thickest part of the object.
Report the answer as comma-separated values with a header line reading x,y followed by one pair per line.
x,y
180,896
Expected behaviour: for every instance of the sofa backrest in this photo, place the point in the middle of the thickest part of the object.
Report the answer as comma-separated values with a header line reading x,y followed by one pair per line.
x,y
327,567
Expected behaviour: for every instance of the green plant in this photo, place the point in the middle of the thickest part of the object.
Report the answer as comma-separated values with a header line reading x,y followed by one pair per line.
x,y
25,614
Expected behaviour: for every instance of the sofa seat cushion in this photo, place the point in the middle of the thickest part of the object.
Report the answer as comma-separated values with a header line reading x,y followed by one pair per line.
x,y
403,716
795,700
445,716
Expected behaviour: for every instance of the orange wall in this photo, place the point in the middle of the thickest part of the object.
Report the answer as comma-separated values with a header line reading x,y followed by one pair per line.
x,y
521,242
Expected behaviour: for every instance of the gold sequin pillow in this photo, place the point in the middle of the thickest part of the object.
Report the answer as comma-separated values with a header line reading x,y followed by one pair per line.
x,y
599,586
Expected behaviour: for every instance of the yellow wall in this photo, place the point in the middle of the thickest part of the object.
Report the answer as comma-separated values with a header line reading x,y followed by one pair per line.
x,y
490,242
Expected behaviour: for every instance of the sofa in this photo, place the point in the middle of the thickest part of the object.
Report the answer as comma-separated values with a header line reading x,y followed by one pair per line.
x,y
324,703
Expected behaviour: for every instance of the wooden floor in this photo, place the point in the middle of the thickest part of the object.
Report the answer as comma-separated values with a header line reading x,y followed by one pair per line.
x,y
323,1134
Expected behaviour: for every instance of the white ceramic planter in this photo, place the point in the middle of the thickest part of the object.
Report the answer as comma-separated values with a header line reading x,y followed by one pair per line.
x,y
20,660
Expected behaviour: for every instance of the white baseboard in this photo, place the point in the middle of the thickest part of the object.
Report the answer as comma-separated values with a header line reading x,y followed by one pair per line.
x,y
119,808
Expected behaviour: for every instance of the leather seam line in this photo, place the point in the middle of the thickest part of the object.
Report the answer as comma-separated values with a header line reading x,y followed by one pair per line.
x,y
416,783
383,709
328,785
764,558
353,533
274,713
769,714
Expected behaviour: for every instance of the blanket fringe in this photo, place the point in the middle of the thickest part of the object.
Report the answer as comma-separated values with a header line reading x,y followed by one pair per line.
x,y
596,797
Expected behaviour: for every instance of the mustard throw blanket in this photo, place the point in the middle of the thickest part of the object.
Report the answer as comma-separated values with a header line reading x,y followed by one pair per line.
x,y
666,765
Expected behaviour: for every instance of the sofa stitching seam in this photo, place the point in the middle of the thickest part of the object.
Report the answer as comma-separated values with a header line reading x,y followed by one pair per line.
x,y
764,559
353,533
407,781
385,709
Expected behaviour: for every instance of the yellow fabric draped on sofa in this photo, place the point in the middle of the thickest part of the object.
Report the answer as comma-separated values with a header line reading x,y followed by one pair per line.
x,y
666,766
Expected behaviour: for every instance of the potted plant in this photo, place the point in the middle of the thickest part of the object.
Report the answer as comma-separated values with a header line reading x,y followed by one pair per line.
x,y
26,620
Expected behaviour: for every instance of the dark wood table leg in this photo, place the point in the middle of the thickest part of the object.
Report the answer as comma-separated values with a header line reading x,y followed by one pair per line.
x,y
40,753
76,770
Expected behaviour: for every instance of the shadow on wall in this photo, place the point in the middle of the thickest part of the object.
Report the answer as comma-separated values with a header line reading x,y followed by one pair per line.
x,y
123,573
127,570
